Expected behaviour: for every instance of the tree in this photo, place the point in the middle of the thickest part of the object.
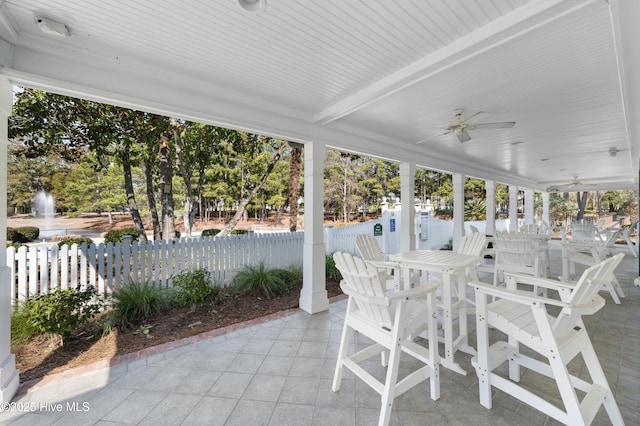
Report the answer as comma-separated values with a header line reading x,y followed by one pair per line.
x,y
271,149
295,170
46,123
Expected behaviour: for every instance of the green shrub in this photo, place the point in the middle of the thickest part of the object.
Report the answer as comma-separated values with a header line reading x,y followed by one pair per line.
x,y
292,277
210,232
21,328
30,233
193,288
117,235
74,240
23,234
239,232
259,281
13,235
62,311
331,271
135,303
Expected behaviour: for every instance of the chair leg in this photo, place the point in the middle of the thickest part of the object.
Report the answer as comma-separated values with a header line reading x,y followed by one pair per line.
x,y
482,367
347,333
389,392
598,378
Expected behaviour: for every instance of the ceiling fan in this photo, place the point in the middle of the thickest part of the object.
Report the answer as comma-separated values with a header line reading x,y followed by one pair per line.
x,y
573,183
460,126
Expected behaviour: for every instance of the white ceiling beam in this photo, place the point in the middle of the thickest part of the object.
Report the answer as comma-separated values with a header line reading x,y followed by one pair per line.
x,y
6,22
522,20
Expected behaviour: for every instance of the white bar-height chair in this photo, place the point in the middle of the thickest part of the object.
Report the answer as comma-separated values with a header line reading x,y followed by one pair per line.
x,y
518,252
626,234
389,318
557,334
370,251
588,254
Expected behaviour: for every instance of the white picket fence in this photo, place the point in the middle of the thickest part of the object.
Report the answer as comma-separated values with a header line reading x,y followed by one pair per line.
x,y
39,268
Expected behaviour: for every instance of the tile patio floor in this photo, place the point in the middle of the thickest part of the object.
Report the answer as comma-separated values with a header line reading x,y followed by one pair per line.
x,y
279,373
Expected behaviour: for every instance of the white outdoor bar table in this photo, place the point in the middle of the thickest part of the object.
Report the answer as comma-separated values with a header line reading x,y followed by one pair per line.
x,y
451,266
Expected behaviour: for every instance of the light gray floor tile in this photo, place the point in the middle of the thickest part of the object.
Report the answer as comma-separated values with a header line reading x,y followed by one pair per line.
x,y
172,410
230,385
292,415
253,413
264,388
135,407
300,390
211,411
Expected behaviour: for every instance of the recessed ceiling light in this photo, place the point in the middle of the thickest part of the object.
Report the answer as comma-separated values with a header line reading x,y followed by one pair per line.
x,y
545,159
516,143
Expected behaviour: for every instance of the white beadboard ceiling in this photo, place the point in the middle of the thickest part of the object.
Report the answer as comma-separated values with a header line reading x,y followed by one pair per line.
x,y
372,77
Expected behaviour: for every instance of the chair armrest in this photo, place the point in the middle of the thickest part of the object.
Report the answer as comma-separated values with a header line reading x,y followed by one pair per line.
x,y
581,244
538,281
382,264
416,292
519,296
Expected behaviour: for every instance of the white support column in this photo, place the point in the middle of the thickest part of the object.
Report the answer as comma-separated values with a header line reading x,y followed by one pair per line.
x,y
490,189
458,208
313,297
513,208
528,207
9,380
407,217
545,208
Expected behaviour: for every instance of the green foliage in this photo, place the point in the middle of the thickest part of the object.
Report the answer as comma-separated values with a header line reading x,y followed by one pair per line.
x,y
239,232
331,271
259,281
75,240
292,276
475,209
210,232
193,288
135,303
117,235
23,234
21,328
62,311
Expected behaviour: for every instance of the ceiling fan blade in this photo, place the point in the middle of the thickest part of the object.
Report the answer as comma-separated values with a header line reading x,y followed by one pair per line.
x,y
502,125
475,118
463,136
433,137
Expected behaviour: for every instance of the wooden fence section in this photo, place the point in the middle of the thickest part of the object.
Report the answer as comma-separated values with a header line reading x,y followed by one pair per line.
x,y
39,268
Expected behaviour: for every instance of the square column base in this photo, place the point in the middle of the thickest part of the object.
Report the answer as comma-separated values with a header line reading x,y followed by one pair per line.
x,y
9,379
313,297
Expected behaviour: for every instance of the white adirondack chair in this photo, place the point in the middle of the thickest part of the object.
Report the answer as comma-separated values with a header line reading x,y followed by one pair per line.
x,y
588,254
389,318
370,251
626,234
518,252
472,244
525,318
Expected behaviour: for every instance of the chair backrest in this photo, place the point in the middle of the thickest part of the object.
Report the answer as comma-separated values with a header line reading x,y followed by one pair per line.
x,y
583,232
516,249
362,283
585,294
472,244
368,248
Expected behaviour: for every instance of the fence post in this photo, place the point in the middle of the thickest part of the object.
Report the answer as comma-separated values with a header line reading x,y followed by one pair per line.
x,y
328,239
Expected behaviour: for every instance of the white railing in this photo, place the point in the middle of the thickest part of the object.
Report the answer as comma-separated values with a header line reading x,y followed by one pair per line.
x,y
37,269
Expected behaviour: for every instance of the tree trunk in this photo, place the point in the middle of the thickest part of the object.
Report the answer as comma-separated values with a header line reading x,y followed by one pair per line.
x,y
582,204
166,189
295,170
244,201
151,200
131,199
